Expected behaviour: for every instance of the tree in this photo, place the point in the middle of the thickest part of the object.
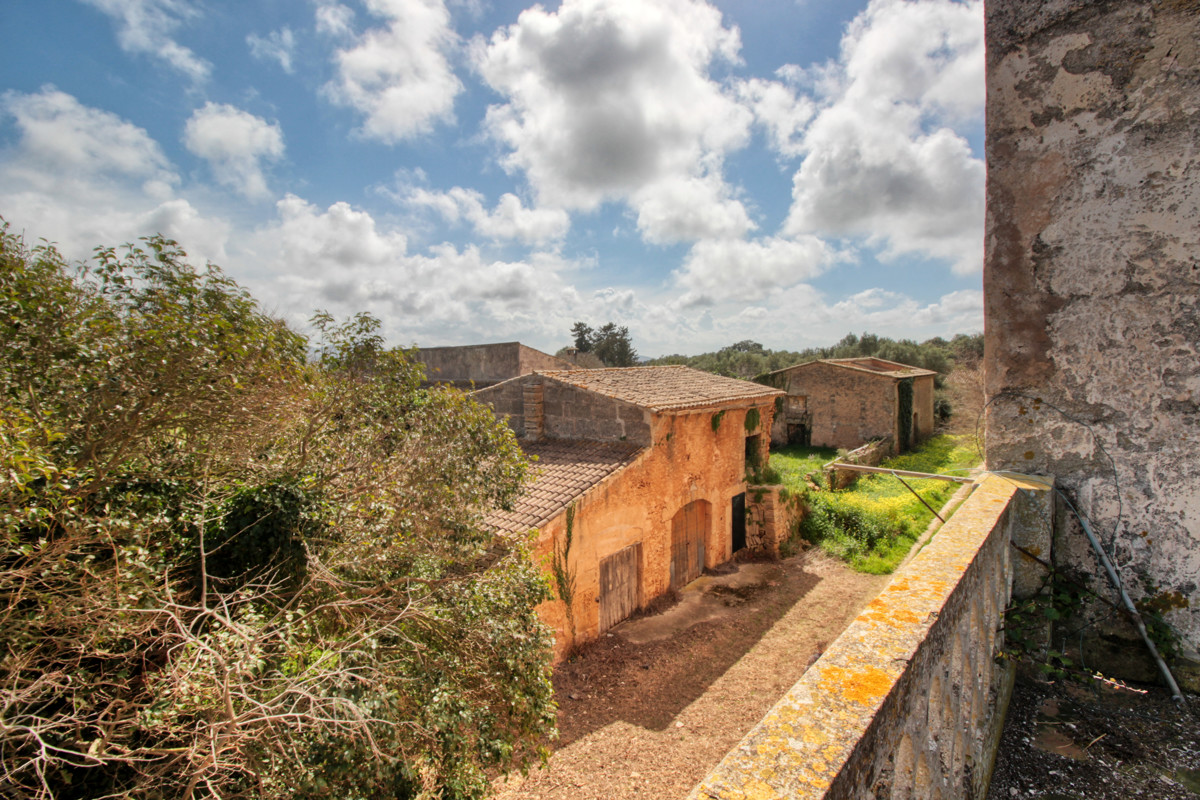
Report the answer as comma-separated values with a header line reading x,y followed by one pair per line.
x,y
228,571
611,344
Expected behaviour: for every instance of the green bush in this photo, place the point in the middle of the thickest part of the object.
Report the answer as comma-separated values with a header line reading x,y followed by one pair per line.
x,y
874,524
228,570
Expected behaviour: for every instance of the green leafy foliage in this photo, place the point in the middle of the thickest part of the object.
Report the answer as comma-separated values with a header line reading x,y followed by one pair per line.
x,y
873,524
610,343
750,360
229,571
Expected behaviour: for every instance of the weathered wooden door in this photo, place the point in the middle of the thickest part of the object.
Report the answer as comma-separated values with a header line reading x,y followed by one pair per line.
x,y
620,585
689,529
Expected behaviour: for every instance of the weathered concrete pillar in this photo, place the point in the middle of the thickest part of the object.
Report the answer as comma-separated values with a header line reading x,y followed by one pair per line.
x,y
1092,285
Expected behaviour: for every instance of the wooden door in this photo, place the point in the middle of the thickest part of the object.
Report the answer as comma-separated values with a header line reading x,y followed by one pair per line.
x,y
689,530
620,585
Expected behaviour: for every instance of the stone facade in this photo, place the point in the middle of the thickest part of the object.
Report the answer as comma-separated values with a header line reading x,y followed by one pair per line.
x,y
909,701
687,462
484,364
693,434
1092,285
845,403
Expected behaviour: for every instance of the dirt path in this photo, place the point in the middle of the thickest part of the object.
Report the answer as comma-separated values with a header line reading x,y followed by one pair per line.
x,y
647,711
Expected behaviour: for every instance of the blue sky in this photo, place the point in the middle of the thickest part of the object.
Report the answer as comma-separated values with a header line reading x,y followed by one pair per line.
x,y
786,171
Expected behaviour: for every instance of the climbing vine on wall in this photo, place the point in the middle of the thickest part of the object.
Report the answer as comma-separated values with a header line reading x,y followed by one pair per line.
x,y
564,576
752,420
716,420
904,401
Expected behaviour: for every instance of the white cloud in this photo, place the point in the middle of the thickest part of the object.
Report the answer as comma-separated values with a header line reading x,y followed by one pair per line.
x,y
146,26
723,270
892,313
611,100
235,143
881,160
510,219
59,137
83,177
778,109
397,76
276,46
334,19
341,259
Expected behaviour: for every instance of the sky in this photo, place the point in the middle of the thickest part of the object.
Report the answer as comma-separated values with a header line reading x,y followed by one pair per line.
x,y
784,171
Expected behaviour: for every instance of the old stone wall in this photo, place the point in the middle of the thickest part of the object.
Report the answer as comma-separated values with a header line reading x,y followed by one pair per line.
x,y
848,407
507,400
484,364
1092,284
771,515
529,360
574,413
871,454
909,700
689,460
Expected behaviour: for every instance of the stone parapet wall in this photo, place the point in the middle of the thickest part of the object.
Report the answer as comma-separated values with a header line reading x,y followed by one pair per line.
x,y
909,700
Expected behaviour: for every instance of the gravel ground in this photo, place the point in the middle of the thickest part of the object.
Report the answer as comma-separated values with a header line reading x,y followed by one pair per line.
x,y
1065,741
647,711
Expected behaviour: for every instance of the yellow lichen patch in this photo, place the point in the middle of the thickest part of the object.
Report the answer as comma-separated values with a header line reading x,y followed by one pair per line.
x,y
865,686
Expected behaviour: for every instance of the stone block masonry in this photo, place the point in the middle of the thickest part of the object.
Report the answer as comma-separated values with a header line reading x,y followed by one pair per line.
x,y
908,701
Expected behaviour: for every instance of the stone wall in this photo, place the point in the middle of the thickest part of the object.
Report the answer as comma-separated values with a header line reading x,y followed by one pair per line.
x,y
771,515
688,460
566,412
1092,284
484,364
923,407
847,407
871,454
574,413
507,400
909,700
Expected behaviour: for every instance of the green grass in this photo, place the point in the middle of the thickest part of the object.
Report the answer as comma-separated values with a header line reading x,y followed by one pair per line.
x,y
874,524
794,462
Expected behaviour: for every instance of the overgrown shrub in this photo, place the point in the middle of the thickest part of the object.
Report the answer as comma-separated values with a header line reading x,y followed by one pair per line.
x,y
227,571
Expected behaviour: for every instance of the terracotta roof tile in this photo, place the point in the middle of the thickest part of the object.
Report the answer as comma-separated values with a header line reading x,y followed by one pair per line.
x,y
564,470
671,388
875,366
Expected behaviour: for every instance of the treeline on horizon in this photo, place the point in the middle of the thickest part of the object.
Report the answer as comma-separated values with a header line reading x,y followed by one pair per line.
x,y
748,359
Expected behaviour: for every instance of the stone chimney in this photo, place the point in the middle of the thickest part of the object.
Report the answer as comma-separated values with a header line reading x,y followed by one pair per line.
x,y
534,425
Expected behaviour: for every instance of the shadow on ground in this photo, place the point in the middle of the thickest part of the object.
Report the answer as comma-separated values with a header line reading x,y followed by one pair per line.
x,y
647,670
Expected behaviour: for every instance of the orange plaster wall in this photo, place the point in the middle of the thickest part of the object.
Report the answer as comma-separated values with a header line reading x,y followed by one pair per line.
x,y
687,461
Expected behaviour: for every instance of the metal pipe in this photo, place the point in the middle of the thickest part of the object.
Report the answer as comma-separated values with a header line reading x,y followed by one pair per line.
x,y
1176,695
922,499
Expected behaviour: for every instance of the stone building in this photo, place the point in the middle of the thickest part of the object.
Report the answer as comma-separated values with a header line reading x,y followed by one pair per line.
x,y
640,481
481,365
1092,287
846,402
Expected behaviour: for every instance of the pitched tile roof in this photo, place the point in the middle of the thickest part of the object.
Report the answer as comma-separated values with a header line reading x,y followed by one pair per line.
x,y
670,388
875,366
564,470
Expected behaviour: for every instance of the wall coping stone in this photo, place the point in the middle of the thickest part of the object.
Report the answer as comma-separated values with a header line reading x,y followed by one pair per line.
x,y
806,740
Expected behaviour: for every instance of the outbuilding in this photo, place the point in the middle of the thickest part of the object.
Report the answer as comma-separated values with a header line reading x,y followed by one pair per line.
x,y
847,402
